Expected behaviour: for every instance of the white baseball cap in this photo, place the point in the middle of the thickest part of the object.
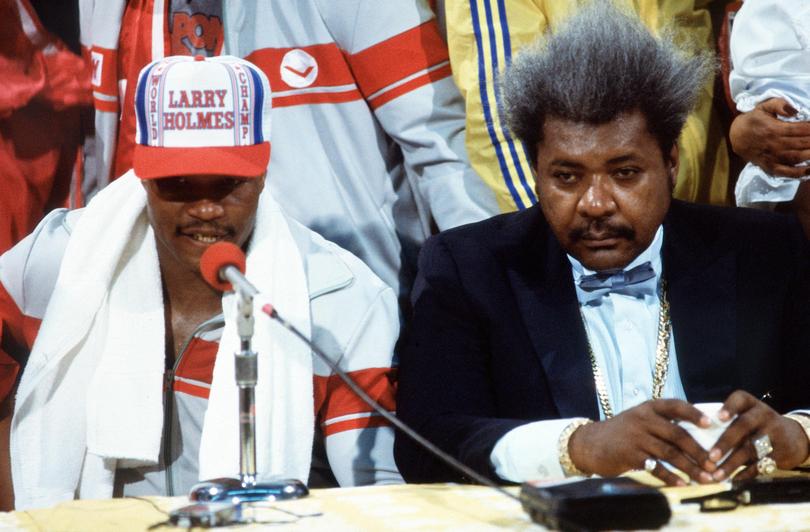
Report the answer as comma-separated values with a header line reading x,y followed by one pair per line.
x,y
198,115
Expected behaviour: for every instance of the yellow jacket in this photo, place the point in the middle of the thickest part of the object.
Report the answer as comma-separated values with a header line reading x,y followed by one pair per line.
x,y
484,34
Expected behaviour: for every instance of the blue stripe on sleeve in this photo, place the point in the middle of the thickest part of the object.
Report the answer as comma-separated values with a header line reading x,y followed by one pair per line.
x,y
507,39
507,46
482,88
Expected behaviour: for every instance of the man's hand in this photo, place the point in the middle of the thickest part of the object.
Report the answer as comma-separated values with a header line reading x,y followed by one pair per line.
x,y
624,442
755,419
770,143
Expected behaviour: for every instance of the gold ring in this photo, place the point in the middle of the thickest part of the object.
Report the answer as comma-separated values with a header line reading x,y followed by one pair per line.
x,y
763,446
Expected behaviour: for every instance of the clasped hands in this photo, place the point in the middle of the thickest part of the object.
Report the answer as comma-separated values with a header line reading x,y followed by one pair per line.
x,y
650,431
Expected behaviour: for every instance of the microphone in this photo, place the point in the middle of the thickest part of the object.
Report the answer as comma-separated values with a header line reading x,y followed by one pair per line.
x,y
222,266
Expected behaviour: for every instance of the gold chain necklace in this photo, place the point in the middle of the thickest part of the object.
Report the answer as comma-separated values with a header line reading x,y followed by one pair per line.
x,y
661,356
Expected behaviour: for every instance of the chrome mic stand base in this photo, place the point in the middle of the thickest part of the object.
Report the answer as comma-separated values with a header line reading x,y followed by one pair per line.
x,y
235,491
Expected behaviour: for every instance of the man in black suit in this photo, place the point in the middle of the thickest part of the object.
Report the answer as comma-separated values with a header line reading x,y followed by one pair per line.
x,y
569,338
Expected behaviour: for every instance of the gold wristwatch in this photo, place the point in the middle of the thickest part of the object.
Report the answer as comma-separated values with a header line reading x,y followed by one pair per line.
x,y
804,421
567,464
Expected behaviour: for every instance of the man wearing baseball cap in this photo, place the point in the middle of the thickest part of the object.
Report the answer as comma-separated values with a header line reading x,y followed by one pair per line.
x,y
127,386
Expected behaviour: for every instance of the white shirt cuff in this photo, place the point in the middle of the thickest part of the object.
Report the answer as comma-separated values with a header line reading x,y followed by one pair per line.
x,y
529,452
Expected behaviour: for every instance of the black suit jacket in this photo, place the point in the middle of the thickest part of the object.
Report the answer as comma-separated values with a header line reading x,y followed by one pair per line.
x,y
497,340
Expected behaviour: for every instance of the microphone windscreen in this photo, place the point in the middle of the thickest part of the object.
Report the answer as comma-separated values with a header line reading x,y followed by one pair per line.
x,y
217,257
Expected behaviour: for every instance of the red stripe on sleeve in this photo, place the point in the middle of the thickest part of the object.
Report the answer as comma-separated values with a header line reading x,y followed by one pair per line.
x,y
400,56
105,70
430,77
309,98
332,70
333,398
357,423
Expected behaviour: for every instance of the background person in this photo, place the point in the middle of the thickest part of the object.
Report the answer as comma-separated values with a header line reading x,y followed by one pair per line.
x,y
370,127
46,97
770,84
483,37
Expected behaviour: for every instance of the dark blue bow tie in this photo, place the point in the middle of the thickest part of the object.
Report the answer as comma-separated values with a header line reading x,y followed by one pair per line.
x,y
630,282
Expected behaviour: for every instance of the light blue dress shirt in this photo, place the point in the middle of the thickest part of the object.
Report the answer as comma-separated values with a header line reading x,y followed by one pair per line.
x,y
623,333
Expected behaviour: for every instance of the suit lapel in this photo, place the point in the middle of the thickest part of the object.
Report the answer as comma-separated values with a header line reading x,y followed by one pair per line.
x,y
544,289
701,279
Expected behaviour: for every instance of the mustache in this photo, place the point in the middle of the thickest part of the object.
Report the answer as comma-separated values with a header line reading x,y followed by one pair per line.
x,y
603,229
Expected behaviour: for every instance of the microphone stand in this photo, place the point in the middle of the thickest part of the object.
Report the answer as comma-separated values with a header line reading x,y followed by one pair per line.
x,y
246,488
245,363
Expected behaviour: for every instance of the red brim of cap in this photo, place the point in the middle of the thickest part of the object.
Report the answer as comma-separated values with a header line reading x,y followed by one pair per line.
x,y
150,162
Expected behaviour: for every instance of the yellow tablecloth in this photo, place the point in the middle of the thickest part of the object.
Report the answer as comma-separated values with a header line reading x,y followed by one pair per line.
x,y
406,507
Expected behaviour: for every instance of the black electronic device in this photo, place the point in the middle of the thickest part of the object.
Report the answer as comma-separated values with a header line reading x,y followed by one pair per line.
x,y
596,504
205,514
760,490
770,490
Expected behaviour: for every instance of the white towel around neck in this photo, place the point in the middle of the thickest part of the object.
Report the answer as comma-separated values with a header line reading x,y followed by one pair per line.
x,y
90,397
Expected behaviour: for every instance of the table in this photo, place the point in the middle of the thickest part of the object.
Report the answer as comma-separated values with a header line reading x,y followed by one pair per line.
x,y
403,507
